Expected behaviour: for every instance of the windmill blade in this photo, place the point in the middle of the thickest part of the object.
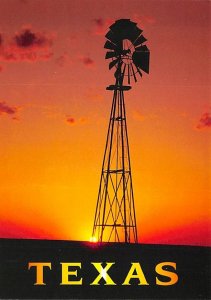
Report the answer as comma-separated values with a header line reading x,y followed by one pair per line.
x,y
135,34
141,58
113,63
110,46
121,24
128,73
142,48
125,29
132,35
111,55
137,68
134,75
113,37
140,40
123,72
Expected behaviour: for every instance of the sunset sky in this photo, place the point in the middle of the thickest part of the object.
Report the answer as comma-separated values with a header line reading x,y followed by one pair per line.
x,y
54,112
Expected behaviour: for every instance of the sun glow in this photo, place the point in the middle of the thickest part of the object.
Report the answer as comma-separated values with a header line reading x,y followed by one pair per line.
x,y
93,239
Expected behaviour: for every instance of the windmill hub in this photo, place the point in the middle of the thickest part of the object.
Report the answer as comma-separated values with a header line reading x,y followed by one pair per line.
x,y
125,52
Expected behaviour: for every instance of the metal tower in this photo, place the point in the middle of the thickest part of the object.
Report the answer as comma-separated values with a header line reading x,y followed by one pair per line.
x,y
115,218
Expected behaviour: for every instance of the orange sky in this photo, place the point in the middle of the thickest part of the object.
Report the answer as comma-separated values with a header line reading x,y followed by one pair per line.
x,y
54,113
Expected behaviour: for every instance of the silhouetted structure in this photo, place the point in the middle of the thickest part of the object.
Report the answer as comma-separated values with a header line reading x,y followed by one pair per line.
x,y
115,218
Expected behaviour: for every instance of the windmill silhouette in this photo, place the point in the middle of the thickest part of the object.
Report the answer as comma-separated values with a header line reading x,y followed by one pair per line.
x,y
115,218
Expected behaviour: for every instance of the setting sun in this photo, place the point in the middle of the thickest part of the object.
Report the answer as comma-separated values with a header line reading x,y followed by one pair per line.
x,y
93,239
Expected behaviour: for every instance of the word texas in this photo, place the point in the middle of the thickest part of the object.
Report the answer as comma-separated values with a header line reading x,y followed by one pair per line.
x,y
70,273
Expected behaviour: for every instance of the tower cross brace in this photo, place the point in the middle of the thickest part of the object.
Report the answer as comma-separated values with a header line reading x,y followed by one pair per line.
x,y
115,219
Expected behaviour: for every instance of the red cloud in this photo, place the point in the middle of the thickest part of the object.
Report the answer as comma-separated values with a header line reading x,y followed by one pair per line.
x,y
101,25
63,60
4,108
72,121
10,229
99,22
26,46
205,121
87,61
197,233
8,110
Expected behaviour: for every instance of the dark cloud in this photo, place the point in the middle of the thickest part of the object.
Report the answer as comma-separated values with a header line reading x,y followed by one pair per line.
x,y
205,121
27,45
87,61
27,38
8,110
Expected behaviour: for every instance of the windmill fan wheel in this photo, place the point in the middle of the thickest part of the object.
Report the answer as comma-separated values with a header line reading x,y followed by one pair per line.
x,y
125,44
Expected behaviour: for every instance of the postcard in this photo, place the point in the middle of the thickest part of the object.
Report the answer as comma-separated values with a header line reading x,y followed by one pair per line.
x,y
104,159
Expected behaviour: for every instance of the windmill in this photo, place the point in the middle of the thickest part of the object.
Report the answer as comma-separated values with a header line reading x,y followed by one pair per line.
x,y
115,218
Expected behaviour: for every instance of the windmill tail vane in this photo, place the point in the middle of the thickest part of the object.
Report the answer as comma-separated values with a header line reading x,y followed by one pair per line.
x,y
115,218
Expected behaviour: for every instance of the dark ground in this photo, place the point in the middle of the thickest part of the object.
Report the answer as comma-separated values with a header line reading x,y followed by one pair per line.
x,y
17,282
